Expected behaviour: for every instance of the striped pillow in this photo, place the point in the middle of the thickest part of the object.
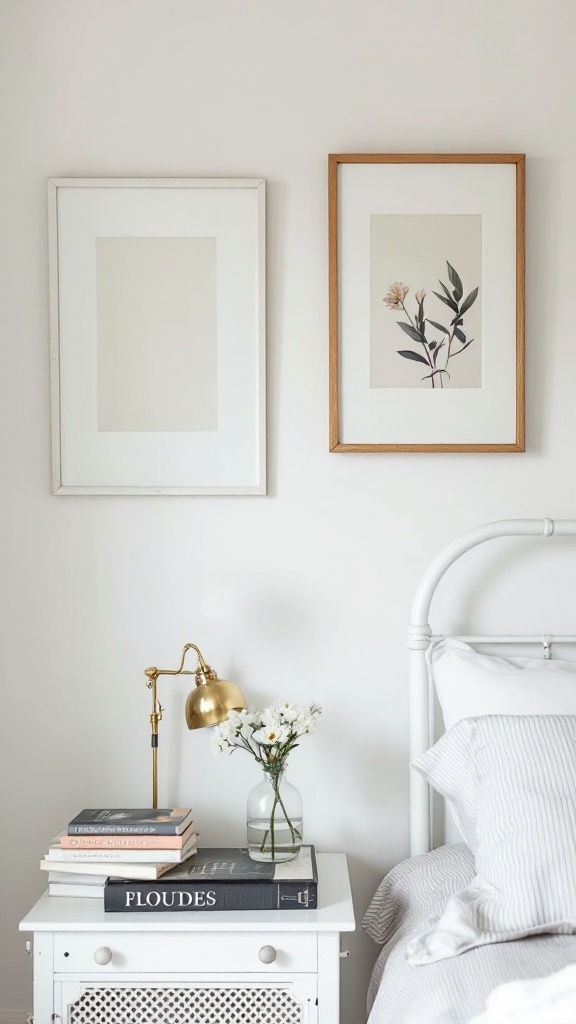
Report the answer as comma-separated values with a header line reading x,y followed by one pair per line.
x,y
512,779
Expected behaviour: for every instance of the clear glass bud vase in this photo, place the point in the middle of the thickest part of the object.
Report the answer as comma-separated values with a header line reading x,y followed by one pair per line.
x,y
274,819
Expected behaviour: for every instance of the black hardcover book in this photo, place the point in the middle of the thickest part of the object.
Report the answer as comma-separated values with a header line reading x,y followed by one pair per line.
x,y
221,879
120,821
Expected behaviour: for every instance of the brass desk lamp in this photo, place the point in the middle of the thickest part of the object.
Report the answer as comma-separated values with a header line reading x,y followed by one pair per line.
x,y
208,704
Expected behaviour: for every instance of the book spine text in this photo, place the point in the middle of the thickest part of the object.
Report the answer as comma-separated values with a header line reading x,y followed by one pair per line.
x,y
116,842
160,828
139,897
131,856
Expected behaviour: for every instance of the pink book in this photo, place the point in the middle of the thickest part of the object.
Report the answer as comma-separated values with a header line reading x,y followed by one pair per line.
x,y
126,842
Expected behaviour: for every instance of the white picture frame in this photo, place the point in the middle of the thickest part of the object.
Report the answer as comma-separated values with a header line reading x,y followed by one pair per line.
x,y
402,228
157,335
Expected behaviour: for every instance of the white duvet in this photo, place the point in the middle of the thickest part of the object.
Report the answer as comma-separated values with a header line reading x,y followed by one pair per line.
x,y
550,1000
456,990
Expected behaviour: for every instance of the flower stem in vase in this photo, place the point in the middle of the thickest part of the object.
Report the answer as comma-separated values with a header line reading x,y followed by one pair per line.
x,y
274,819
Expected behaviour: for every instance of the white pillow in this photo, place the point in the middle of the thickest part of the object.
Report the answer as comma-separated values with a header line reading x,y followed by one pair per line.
x,y
520,772
471,684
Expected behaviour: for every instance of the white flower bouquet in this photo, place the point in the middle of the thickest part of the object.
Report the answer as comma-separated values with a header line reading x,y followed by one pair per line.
x,y
270,736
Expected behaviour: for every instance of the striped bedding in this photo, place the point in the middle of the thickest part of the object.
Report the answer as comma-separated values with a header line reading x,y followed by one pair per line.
x,y
516,776
454,990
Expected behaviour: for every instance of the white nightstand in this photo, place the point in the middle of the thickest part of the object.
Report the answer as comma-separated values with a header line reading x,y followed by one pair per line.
x,y
191,968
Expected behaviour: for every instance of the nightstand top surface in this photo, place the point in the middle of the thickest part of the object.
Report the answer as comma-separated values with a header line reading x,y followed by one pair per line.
x,y
335,912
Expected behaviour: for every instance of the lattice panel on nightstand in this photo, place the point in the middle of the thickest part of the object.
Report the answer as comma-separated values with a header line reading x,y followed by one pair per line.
x,y
242,1004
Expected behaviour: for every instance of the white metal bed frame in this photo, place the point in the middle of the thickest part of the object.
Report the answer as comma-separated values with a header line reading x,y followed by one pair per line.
x,y
420,637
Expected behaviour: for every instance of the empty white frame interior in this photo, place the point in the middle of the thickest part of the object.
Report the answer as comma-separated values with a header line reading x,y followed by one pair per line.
x,y
157,335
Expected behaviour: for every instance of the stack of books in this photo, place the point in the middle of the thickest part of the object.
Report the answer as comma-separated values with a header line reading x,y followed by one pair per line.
x,y
125,843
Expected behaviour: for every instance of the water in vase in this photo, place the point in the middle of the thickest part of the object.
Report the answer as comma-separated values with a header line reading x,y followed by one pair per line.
x,y
284,845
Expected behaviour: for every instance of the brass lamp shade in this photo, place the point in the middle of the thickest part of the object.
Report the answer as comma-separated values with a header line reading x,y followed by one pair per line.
x,y
208,704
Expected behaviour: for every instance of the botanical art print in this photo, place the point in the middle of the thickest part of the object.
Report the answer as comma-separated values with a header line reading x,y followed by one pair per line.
x,y
426,297
436,344
426,300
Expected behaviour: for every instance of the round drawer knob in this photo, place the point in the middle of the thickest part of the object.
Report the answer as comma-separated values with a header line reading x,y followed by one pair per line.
x,y
267,954
103,956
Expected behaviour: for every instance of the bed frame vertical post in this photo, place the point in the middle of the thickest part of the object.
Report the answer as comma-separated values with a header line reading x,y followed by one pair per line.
x,y
420,739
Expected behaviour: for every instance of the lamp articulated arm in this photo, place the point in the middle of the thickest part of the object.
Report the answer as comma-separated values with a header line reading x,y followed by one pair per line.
x,y
208,704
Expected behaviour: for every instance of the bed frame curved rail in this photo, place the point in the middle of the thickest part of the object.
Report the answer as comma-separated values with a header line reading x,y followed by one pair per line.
x,y
420,637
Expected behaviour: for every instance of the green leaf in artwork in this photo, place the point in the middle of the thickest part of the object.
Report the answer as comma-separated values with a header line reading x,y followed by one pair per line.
x,y
432,345
439,326
468,301
455,282
435,356
449,302
444,289
459,334
430,376
408,354
412,332
459,350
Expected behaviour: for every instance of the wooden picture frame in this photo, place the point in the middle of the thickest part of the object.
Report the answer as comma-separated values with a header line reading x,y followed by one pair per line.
x,y
426,263
157,305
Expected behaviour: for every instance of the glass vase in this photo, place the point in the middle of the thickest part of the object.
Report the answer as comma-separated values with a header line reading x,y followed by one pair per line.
x,y
274,819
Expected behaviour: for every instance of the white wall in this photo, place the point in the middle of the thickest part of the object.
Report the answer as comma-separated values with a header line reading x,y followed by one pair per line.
x,y
303,594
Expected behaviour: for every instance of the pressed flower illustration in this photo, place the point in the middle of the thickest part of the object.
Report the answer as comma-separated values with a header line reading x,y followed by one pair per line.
x,y
437,343
396,295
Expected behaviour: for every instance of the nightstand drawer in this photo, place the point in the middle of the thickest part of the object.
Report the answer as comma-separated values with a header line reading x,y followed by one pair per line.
x,y
118,952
